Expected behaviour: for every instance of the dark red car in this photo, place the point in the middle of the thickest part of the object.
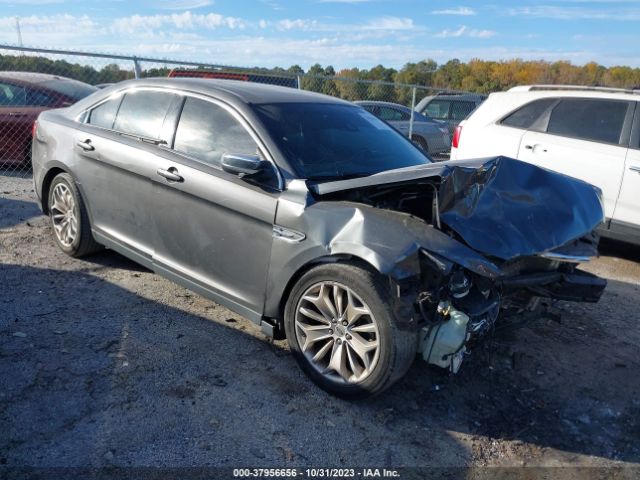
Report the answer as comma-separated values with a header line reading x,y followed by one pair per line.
x,y
23,95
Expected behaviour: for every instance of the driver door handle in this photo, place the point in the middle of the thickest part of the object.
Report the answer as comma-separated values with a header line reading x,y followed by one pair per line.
x,y
171,174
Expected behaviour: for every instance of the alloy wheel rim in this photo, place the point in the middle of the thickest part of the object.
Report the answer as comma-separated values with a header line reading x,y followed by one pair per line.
x,y
63,215
337,333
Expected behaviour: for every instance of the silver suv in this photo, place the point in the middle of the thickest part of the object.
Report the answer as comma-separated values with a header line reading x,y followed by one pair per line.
x,y
450,108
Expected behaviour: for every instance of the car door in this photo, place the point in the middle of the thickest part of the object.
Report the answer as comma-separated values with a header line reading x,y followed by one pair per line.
x,y
17,115
626,218
213,230
583,138
116,155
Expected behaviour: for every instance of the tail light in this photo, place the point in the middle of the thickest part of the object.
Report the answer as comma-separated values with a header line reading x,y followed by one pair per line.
x,y
456,136
33,129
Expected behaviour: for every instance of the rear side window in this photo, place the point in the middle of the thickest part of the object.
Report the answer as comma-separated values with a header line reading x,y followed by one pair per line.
x,y
104,114
460,110
525,116
392,115
36,98
438,109
12,95
594,120
207,131
142,113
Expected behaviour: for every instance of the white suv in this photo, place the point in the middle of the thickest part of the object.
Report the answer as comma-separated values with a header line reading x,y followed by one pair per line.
x,y
589,133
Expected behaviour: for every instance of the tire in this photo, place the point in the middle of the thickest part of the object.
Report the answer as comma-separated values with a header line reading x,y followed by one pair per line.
x,y
360,290
421,142
69,220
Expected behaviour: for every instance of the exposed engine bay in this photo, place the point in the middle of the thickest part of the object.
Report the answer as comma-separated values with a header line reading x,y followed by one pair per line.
x,y
503,213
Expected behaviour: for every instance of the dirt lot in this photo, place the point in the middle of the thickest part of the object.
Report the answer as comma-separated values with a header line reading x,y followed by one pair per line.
x,y
105,363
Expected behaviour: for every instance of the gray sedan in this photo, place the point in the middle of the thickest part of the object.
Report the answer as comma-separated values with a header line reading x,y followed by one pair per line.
x,y
314,219
431,135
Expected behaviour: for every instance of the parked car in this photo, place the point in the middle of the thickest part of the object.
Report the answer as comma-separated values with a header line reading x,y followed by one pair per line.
x,y
450,108
588,133
23,95
432,136
313,218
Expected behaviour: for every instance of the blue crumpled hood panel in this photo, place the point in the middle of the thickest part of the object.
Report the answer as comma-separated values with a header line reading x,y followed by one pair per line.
x,y
507,208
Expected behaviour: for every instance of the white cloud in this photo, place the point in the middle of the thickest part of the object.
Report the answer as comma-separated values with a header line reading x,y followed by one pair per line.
x,y
297,24
464,31
465,11
184,4
186,20
390,23
576,13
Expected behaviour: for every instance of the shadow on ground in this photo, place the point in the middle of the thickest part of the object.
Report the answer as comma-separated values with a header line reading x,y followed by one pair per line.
x,y
14,212
97,375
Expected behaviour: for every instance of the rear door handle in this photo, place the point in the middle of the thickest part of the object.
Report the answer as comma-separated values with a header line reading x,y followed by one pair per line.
x,y
171,174
635,169
531,147
86,146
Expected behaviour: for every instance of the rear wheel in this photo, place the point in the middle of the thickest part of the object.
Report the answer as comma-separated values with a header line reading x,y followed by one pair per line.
x,y
342,331
69,219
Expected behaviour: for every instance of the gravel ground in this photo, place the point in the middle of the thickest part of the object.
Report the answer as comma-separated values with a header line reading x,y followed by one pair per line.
x,y
103,363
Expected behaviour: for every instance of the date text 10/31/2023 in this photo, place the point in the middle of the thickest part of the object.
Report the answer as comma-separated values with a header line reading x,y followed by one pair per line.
x,y
315,473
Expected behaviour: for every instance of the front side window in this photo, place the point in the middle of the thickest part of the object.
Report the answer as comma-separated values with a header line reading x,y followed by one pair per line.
x,y
331,141
587,119
142,113
438,109
105,113
12,95
207,131
526,116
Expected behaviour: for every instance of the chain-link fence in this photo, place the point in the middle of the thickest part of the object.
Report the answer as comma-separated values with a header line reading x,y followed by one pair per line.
x,y
33,80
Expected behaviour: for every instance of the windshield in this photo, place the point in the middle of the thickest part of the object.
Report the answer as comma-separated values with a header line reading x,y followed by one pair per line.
x,y
325,141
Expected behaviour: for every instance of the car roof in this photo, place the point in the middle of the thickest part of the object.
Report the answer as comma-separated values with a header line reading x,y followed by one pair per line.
x,y
531,92
33,77
245,92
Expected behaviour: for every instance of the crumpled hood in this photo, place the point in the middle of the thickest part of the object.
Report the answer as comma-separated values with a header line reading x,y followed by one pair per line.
x,y
500,206
508,208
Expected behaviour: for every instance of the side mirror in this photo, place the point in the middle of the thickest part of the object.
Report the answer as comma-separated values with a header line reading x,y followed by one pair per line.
x,y
242,164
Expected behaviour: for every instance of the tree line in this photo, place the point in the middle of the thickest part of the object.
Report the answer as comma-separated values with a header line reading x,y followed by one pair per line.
x,y
379,82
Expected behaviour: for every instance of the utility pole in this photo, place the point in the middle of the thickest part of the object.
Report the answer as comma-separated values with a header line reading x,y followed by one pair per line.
x,y
18,31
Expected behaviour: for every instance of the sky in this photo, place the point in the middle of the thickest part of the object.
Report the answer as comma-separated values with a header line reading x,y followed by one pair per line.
x,y
342,33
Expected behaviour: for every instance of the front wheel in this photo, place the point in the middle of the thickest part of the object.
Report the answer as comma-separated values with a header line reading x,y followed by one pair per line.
x,y
342,331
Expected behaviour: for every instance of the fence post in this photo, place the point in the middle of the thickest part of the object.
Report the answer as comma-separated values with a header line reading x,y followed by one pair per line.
x,y
136,68
413,105
299,77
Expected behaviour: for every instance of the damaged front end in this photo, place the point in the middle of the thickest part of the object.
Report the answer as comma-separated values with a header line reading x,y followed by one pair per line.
x,y
481,241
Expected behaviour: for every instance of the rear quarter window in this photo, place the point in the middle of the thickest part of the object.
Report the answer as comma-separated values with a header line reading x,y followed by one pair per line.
x,y
104,114
526,116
